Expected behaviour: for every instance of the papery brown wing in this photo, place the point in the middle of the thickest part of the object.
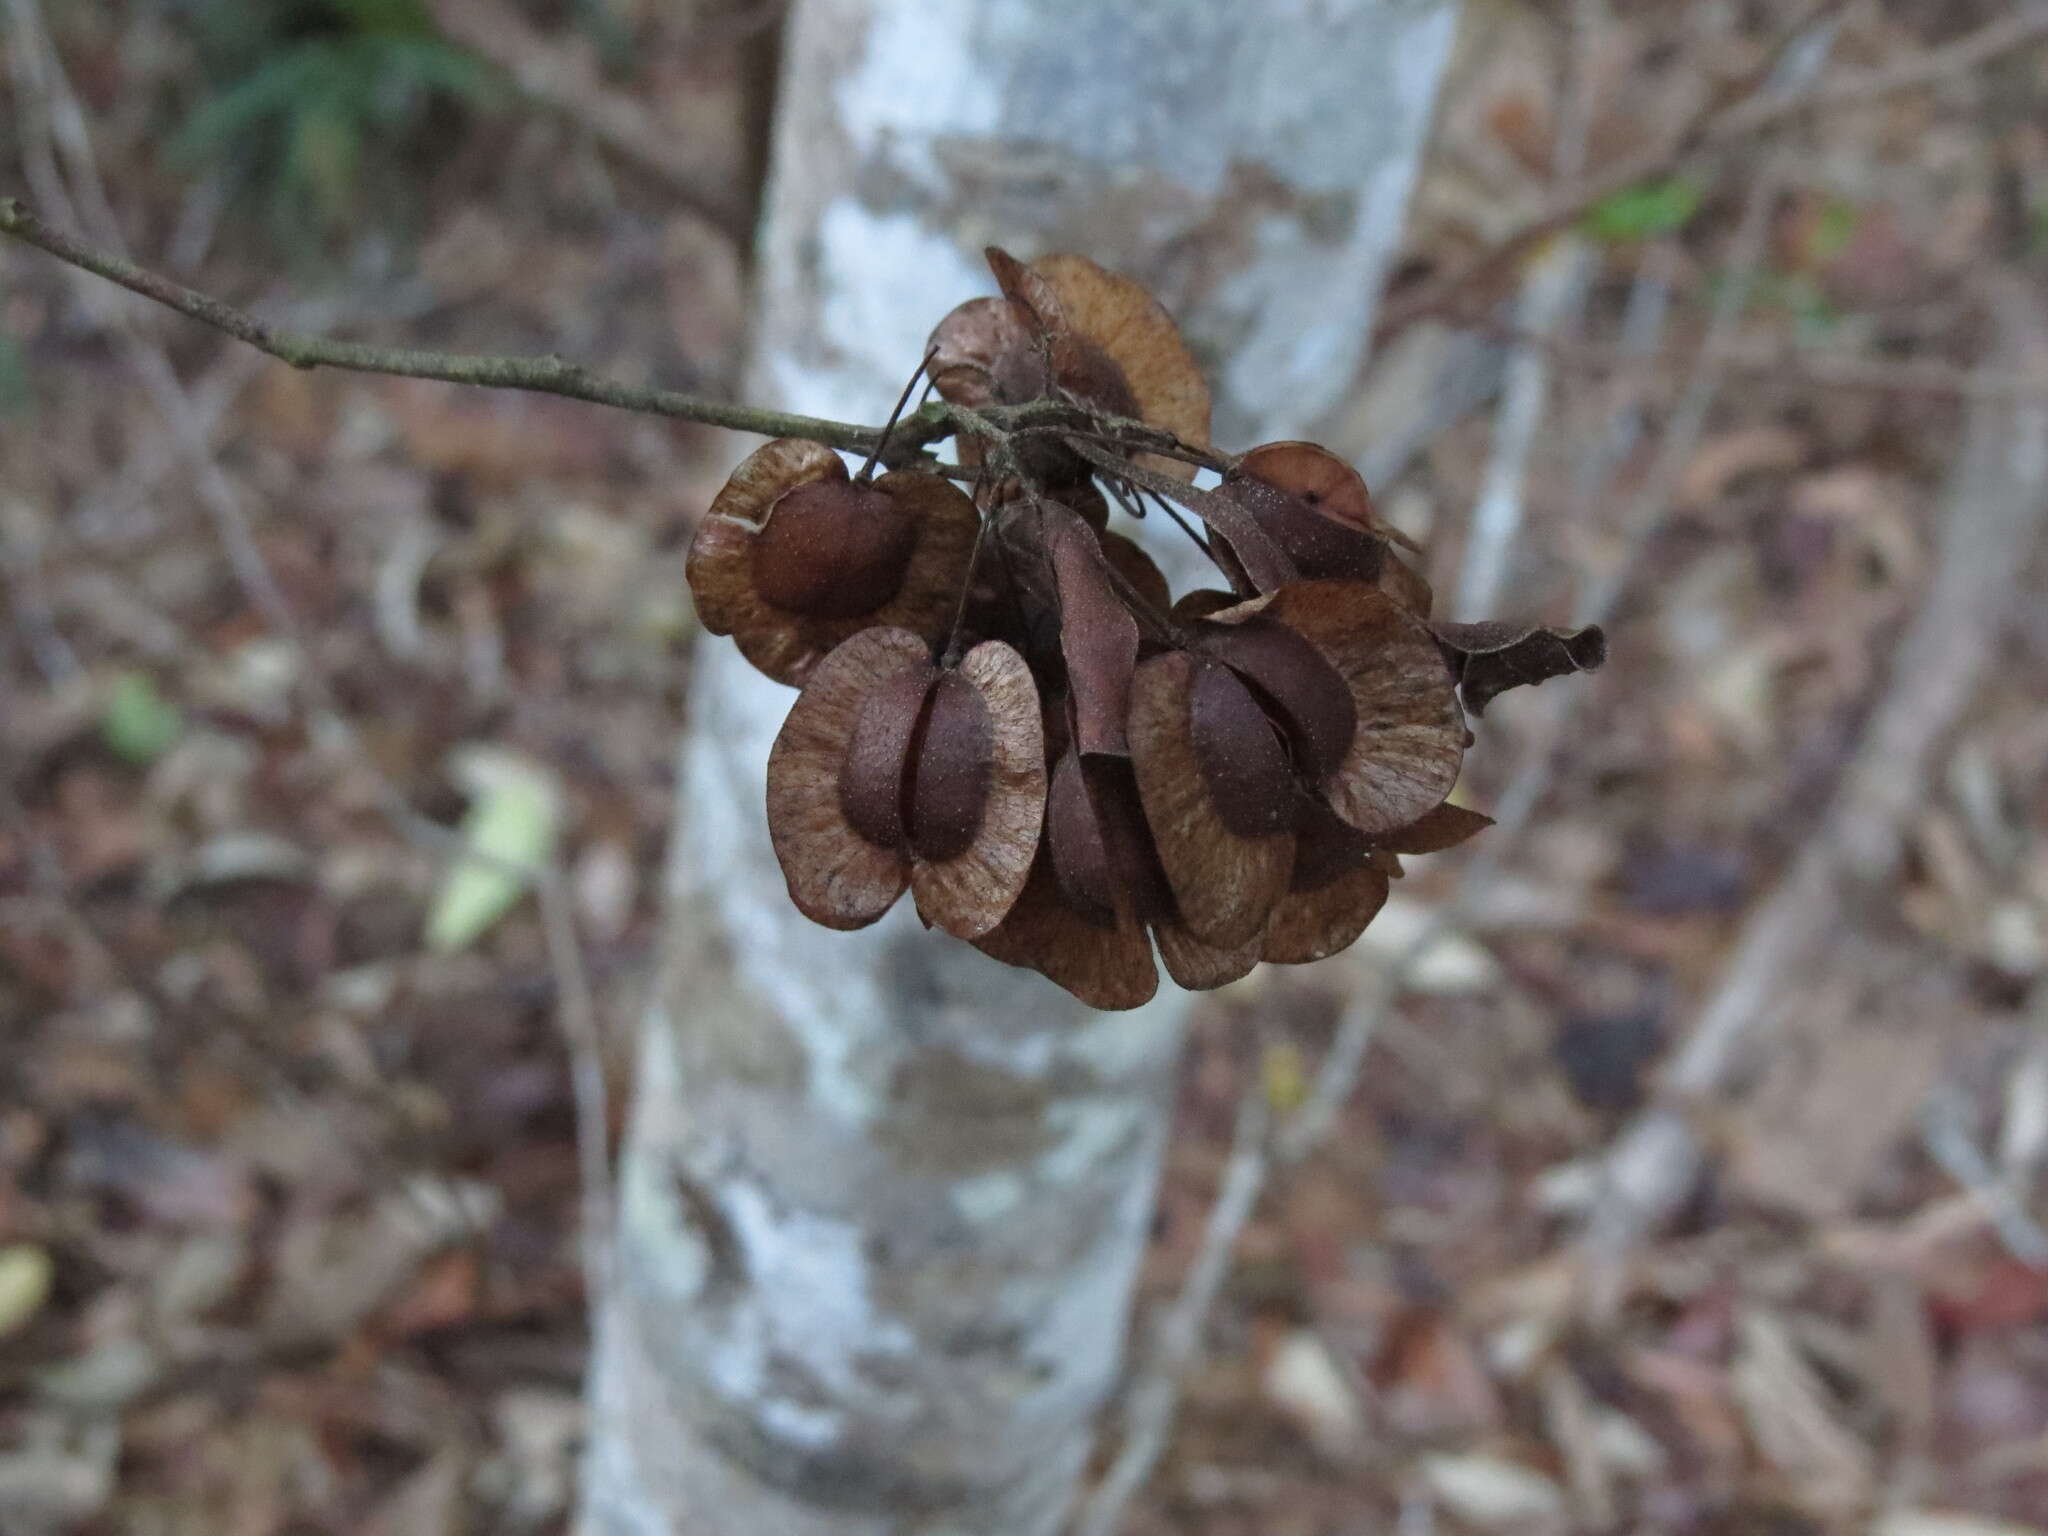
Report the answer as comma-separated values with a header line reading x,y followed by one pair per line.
x,y
1098,635
967,345
1411,737
1201,967
1297,683
1445,827
836,877
1118,315
874,776
1105,965
1223,884
1313,925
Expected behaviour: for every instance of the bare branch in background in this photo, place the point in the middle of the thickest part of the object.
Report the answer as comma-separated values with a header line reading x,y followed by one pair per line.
x,y
540,375
1722,128
45,97
1337,1074
565,81
1992,519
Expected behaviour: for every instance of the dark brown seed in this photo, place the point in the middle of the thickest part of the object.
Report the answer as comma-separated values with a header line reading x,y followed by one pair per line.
x,y
833,550
1323,480
969,894
1092,375
875,776
949,786
1244,767
1297,683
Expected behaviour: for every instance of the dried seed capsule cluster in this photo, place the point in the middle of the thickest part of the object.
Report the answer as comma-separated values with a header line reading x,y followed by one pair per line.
x,y
1005,711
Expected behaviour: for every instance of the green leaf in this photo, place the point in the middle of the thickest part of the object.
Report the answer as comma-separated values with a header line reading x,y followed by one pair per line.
x,y
138,723
1643,212
1833,230
16,395
25,1276
511,824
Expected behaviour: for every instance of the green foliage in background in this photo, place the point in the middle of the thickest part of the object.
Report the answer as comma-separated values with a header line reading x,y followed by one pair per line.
x,y
16,397
138,724
319,105
1647,211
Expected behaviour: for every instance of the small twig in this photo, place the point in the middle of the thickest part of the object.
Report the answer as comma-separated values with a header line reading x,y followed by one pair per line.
x,y
1194,534
576,1010
1551,288
1149,1408
1337,1074
1647,508
1719,129
540,375
1944,1132
563,80
1994,510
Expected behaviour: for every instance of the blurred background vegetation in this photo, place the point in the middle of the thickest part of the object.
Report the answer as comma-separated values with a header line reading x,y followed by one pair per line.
x,y
314,107
288,1183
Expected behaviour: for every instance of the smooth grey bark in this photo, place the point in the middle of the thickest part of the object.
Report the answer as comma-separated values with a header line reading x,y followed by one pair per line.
x,y
883,1201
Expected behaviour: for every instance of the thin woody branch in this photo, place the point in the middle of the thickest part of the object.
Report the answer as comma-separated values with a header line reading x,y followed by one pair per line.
x,y
539,375
550,375
1726,124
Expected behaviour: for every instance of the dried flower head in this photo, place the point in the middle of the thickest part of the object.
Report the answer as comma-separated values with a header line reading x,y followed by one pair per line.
x,y
1007,711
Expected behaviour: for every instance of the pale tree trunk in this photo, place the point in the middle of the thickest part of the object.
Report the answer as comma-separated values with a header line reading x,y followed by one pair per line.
x,y
883,1200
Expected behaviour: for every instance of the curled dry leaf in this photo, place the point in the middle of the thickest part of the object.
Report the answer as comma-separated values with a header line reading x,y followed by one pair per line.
x,y
1491,657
